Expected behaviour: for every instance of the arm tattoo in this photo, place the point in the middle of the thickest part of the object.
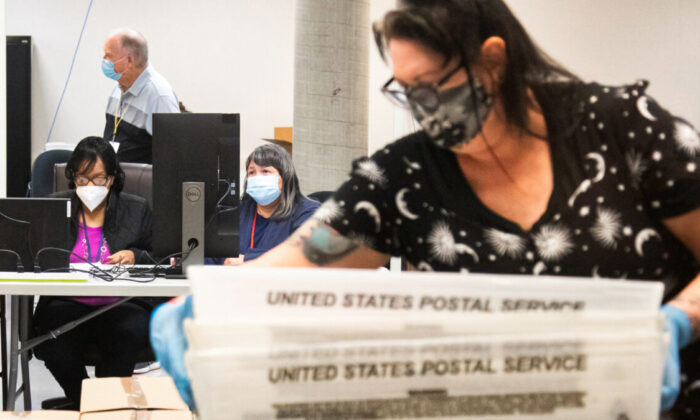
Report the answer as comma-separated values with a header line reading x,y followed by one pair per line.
x,y
324,246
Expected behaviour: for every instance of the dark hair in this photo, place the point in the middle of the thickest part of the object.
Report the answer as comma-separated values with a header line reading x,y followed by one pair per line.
x,y
458,28
86,153
275,156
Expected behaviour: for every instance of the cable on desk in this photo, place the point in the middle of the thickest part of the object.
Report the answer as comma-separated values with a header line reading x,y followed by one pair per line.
x,y
113,273
104,275
116,272
80,270
184,255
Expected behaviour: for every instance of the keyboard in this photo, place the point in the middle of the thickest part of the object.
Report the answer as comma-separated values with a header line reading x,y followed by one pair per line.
x,y
159,271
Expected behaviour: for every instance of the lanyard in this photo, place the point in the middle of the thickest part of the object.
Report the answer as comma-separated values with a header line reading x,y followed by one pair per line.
x,y
118,118
252,232
87,242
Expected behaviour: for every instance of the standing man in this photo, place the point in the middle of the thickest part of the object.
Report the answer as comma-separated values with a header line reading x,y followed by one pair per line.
x,y
139,93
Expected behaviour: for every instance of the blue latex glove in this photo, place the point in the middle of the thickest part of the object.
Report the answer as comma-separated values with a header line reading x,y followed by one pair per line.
x,y
678,326
169,342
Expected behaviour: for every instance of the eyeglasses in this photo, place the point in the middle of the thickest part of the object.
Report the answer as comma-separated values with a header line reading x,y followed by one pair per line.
x,y
424,94
99,180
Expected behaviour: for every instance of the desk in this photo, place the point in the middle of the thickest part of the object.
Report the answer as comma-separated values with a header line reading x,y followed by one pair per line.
x,y
92,287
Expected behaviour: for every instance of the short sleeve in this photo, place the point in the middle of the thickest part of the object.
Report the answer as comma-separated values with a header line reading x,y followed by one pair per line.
x,y
362,208
163,104
661,151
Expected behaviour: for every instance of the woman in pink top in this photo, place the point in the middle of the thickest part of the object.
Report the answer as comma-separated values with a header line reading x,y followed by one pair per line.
x,y
109,227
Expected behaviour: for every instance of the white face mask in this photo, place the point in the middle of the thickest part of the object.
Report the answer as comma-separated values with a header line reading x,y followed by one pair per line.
x,y
92,195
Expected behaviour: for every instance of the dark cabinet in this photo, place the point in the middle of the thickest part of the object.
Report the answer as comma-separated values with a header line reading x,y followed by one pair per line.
x,y
19,111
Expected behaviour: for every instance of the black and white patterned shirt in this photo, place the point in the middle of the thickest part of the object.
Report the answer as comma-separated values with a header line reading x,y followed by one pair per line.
x,y
621,164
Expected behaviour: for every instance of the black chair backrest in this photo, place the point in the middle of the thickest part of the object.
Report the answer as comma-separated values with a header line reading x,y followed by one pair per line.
x,y
138,179
320,196
42,181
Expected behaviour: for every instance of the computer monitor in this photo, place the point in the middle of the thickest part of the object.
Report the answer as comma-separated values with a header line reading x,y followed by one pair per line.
x,y
195,185
28,225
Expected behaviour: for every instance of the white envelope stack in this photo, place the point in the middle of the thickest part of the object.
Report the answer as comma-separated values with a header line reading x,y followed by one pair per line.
x,y
358,344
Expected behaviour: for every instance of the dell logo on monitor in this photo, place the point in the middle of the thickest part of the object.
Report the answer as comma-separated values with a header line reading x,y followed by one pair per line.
x,y
193,194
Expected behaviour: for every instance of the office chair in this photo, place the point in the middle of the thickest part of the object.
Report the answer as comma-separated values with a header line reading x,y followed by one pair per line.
x,y
138,179
42,182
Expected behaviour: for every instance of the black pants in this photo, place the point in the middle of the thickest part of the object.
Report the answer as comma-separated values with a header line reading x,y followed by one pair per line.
x,y
119,334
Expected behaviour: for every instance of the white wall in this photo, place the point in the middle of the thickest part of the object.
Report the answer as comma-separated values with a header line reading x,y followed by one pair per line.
x,y
236,56
619,41
219,56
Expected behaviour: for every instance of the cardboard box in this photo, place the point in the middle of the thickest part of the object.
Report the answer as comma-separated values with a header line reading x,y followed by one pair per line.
x,y
155,398
283,133
41,415
137,415
283,137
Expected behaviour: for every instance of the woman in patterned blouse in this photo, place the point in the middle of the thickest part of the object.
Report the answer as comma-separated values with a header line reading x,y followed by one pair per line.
x,y
521,167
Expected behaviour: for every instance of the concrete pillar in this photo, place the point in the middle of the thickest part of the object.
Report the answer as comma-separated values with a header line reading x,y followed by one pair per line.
x,y
331,77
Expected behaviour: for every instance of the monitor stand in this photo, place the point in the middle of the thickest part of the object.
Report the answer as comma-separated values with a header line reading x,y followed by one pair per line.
x,y
192,224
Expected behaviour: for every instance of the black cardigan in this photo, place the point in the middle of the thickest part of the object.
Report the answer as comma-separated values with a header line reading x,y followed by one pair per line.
x,y
128,223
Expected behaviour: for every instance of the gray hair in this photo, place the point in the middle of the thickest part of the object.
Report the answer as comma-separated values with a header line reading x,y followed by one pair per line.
x,y
275,156
134,43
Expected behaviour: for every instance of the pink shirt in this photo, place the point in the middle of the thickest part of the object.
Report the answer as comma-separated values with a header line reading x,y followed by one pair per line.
x,y
93,236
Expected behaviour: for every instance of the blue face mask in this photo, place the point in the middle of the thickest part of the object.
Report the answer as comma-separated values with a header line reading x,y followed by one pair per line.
x,y
108,69
263,188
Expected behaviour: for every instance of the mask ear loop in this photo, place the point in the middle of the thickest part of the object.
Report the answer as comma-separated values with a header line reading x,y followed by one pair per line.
x,y
109,205
493,154
470,79
475,102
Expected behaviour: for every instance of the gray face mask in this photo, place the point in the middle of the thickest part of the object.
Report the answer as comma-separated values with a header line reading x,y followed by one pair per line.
x,y
459,116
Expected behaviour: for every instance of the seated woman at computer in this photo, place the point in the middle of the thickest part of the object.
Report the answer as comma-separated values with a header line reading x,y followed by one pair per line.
x,y
111,227
273,206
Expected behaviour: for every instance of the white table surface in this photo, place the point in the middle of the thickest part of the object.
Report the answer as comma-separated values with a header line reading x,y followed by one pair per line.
x,y
46,284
